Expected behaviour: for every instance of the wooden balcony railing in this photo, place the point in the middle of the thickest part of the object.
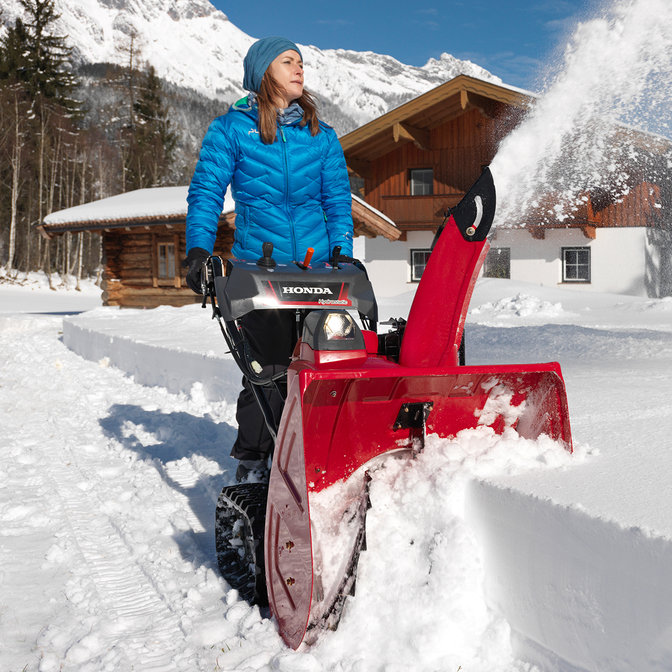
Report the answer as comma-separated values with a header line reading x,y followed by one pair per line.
x,y
418,212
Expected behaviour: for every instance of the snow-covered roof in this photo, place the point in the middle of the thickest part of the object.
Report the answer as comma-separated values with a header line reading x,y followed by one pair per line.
x,y
157,203
161,205
373,210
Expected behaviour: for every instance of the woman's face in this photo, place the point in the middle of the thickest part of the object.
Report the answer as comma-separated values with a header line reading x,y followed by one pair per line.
x,y
287,70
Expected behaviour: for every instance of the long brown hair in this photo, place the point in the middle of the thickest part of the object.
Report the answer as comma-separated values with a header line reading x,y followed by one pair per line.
x,y
269,91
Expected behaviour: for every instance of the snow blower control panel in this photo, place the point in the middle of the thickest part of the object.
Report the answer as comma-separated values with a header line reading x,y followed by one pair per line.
x,y
243,286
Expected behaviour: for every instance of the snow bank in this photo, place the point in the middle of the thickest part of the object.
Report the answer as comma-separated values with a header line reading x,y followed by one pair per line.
x,y
574,588
21,293
521,305
144,345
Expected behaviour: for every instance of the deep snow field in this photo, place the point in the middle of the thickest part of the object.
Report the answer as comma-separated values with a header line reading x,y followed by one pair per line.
x,y
110,467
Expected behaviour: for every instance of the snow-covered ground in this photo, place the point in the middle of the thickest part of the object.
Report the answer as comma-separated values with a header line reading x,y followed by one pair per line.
x,y
110,464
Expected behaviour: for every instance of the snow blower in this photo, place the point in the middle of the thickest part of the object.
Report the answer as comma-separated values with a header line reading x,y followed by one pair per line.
x,y
353,396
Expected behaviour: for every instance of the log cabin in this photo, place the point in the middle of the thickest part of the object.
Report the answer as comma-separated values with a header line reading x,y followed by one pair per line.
x,y
143,240
417,161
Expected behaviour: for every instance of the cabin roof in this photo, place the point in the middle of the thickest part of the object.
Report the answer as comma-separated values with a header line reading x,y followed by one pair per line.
x,y
142,207
168,205
412,120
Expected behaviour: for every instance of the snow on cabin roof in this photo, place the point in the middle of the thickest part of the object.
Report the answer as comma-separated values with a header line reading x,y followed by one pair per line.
x,y
376,212
164,204
141,204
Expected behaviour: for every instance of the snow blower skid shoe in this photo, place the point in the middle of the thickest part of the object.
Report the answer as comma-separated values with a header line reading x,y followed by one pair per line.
x,y
349,404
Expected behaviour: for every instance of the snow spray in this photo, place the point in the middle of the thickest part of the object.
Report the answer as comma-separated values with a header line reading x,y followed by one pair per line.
x,y
579,135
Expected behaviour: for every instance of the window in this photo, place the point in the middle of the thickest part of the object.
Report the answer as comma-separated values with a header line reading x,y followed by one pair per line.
x,y
576,264
166,258
422,181
498,263
419,260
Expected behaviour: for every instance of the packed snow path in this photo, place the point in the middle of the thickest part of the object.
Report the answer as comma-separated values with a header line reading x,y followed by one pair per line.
x,y
107,497
107,490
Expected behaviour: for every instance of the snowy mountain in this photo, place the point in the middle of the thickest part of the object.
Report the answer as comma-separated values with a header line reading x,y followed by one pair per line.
x,y
192,44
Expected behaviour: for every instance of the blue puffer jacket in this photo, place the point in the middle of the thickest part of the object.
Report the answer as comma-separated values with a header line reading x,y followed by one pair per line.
x,y
294,193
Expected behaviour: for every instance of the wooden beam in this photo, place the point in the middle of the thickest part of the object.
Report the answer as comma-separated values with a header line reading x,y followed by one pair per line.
x,y
377,225
589,232
362,168
419,136
464,99
537,232
44,233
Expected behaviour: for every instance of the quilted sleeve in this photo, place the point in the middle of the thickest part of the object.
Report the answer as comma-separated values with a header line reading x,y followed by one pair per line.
x,y
336,197
211,179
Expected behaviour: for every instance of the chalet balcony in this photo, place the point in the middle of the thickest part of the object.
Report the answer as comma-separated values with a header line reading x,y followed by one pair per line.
x,y
418,212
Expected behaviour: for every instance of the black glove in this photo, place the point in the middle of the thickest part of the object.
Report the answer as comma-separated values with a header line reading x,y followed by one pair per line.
x,y
195,258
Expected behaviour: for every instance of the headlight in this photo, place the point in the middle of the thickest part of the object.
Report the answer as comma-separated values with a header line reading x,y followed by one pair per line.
x,y
338,326
332,330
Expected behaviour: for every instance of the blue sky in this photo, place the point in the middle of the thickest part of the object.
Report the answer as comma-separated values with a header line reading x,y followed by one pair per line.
x,y
511,39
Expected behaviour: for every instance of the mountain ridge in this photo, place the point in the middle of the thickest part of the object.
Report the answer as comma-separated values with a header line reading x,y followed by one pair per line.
x,y
192,44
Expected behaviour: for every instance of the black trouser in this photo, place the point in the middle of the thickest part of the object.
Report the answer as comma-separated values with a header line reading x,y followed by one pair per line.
x,y
272,337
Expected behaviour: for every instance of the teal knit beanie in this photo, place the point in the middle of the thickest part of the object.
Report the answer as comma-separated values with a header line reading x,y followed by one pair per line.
x,y
259,57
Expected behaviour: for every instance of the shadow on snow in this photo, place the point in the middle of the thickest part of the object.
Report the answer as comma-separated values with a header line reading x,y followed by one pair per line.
x,y
165,439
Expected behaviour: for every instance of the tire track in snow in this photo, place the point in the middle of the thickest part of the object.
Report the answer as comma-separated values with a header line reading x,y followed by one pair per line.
x,y
112,590
129,596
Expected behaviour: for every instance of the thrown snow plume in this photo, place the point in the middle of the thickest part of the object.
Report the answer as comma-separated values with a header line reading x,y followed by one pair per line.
x,y
615,76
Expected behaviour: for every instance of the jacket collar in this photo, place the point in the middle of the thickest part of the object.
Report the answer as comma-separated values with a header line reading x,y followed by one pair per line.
x,y
287,116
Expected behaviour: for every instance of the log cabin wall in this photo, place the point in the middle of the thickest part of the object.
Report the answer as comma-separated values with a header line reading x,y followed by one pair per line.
x,y
142,266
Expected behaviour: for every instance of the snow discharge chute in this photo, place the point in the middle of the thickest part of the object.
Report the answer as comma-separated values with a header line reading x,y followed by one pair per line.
x,y
353,396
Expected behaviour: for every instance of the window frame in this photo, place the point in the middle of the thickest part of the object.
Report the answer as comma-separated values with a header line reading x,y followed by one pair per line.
x,y
488,262
413,251
584,249
412,182
166,245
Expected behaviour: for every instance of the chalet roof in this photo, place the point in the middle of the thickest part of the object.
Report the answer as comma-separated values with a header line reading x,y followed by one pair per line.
x,y
168,205
413,120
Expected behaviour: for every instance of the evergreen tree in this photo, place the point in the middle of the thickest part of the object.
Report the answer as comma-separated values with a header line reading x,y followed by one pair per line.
x,y
39,59
13,58
153,142
39,158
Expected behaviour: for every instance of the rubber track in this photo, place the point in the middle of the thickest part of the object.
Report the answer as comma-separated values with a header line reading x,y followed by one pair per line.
x,y
239,539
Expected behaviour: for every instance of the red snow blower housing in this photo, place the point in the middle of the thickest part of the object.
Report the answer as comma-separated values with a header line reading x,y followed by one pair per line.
x,y
352,396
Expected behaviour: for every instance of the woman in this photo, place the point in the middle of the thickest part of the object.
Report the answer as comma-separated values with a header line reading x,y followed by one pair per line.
x,y
290,184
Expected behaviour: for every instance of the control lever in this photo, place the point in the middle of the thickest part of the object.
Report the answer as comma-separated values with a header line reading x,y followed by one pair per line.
x,y
267,260
337,257
306,260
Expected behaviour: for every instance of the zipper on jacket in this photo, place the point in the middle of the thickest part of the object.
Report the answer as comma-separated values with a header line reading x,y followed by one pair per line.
x,y
289,213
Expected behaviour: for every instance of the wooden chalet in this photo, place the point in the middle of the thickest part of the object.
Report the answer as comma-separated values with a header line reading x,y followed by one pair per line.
x,y
419,159
143,238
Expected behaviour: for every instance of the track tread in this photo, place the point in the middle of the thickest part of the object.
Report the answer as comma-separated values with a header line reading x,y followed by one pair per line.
x,y
239,539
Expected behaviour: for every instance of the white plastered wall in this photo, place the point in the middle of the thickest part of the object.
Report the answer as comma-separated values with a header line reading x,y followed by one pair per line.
x,y
388,263
618,259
